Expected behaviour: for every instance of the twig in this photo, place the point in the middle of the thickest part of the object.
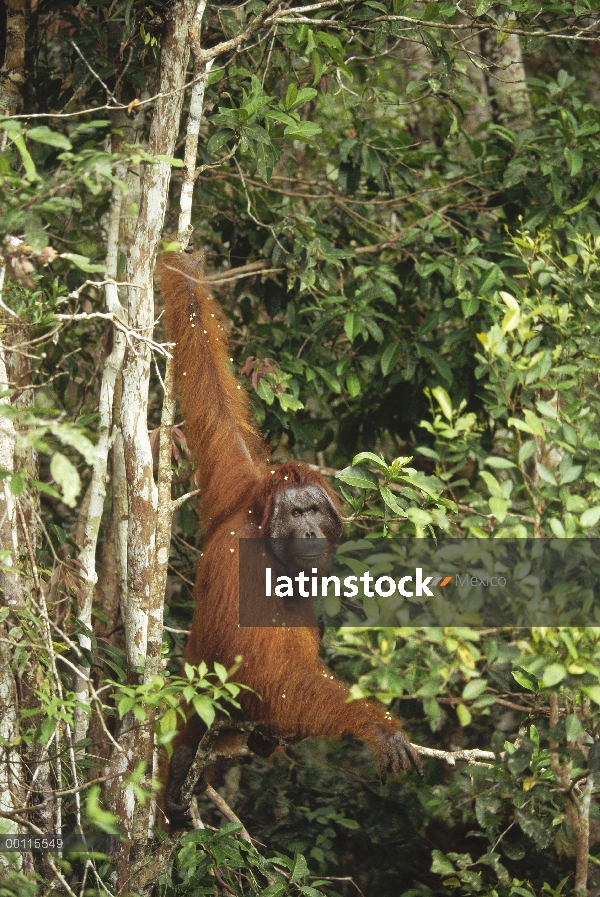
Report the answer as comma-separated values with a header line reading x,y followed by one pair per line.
x,y
241,271
472,757
95,74
161,348
226,810
178,502
347,878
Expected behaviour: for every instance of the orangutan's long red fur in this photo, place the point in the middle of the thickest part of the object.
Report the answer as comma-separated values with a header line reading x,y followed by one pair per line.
x,y
300,696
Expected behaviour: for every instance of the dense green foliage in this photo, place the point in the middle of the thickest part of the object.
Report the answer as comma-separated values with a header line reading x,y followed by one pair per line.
x,y
426,328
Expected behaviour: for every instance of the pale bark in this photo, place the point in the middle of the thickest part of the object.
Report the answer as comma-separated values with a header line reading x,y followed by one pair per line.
x,y
16,514
97,490
10,582
141,489
113,581
154,663
163,530
11,791
136,370
201,71
505,74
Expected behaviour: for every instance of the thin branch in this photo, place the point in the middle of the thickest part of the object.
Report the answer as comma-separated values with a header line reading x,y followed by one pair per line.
x,y
95,74
241,271
265,16
178,502
201,72
161,348
472,757
226,810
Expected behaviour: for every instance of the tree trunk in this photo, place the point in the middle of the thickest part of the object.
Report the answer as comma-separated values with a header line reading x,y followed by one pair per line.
x,y
137,741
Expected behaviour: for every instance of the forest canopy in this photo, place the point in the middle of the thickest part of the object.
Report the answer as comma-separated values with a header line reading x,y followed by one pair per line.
x,y
397,205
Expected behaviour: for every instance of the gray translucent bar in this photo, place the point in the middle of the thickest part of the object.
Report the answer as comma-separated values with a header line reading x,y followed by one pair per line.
x,y
420,582
89,842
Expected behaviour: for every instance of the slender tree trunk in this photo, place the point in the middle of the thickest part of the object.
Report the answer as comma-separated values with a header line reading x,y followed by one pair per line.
x,y
17,513
505,75
137,741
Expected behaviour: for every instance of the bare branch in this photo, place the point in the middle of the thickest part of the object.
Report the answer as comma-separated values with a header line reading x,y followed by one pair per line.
x,y
95,74
178,502
226,810
264,17
472,757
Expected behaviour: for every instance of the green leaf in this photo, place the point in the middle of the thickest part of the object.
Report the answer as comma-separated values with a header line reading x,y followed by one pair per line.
x,y
65,474
257,133
302,96
265,392
553,674
171,160
509,300
573,727
83,263
70,435
353,385
190,672
593,692
523,680
511,321
377,460
221,671
330,379
28,163
531,424
218,139
443,400
351,325
570,474
374,329
391,501
499,463
302,130
16,484
358,477
590,517
574,159
526,451
329,40
545,474
429,485
265,161
440,865
464,715
418,516
473,689
97,816
499,507
288,402
291,94
300,868
389,357
204,708
43,134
